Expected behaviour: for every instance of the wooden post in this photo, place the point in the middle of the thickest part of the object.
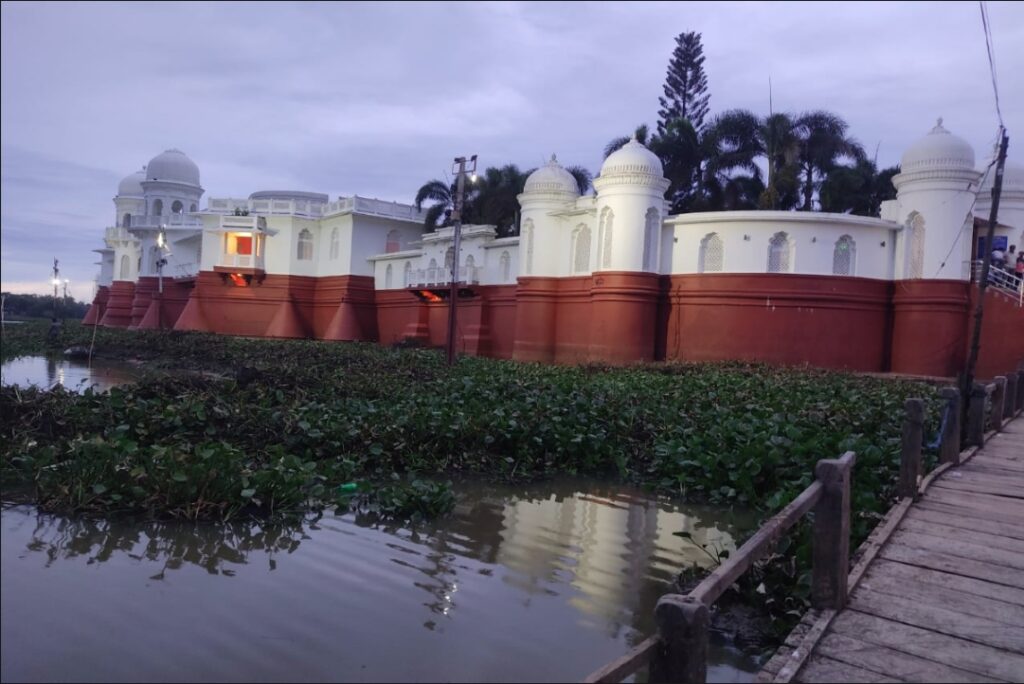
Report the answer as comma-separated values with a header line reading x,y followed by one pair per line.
x,y
949,449
831,552
910,455
997,402
682,655
976,417
1010,397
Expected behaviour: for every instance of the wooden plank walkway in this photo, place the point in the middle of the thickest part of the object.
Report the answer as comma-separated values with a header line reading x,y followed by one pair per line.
x,y
943,599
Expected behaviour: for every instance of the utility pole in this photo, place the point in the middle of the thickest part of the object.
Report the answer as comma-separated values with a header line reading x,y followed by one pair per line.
x,y
453,296
161,242
972,359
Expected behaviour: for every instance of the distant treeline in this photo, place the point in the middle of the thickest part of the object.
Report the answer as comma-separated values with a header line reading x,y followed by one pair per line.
x,y
41,306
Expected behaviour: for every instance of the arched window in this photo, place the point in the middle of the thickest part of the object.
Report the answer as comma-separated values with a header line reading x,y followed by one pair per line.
x,y
126,267
505,264
138,264
334,243
126,220
158,208
605,237
844,258
581,249
528,232
387,277
711,254
177,207
193,207
651,223
915,246
470,269
432,272
779,256
449,259
394,242
407,274
305,248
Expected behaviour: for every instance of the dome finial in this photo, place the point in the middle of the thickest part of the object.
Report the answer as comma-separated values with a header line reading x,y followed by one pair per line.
x,y
939,122
632,138
554,159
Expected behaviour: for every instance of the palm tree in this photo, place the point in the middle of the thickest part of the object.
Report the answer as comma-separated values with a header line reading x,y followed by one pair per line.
x,y
496,200
858,189
443,196
642,133
823,143
584,179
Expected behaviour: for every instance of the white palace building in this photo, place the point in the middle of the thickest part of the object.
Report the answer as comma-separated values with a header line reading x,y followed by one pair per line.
x,y
608,276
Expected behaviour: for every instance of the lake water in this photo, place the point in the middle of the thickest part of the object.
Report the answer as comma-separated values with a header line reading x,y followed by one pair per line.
x,y
538,583
47,372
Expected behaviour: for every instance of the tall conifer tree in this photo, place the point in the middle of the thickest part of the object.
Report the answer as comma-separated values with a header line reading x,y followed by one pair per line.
x,y
686,85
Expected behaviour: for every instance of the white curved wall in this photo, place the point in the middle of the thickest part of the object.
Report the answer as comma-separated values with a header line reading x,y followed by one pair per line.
x,y
746,236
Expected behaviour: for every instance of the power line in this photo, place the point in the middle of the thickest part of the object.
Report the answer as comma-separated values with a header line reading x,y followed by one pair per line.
x,y
987,28
970,213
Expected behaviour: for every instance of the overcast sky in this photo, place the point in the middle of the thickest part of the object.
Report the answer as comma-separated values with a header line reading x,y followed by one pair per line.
x,y
376,99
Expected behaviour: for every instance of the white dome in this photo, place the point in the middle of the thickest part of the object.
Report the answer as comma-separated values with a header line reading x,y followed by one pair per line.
x,y
174,166
632,158
938,149
552,178
131,186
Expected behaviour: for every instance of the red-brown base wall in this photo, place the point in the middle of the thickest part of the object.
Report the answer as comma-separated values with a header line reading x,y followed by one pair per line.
x,y
99,305
918,327
118,312
827,321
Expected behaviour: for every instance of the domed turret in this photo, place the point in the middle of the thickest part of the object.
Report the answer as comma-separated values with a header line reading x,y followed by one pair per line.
x,y
940,149
1013,181
552,178
131,185
173,166
632,158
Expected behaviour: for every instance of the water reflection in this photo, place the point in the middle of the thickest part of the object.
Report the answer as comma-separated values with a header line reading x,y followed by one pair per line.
x,y
538,583
46,372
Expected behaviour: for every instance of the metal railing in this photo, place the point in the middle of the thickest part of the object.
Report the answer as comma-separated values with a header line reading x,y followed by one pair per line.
x,y
441,276
1000,280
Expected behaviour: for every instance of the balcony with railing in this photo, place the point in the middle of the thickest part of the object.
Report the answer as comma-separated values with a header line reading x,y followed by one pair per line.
x,y
169,220
314,209
417,277
1001,281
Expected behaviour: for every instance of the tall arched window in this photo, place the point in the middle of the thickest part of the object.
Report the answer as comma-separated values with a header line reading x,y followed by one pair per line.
x,y
915,246
158,208
193,207
651,223
528,233
305,246
407,274
779,257
712,254
394,242
844,258
126,267
449,258
505,264
126,220
388,274
470,269
432,272
334,243
605,237
581,249
177,207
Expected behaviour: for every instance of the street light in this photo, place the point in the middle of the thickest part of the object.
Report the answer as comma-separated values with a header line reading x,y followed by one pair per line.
x,y
459,168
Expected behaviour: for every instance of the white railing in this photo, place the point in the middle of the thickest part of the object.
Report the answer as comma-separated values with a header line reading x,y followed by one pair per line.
x,y
1000,280
469,275
188,270
241,261
155,221
227,205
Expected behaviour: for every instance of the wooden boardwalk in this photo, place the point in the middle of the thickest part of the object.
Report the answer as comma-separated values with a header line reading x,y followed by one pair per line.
x,y
942,599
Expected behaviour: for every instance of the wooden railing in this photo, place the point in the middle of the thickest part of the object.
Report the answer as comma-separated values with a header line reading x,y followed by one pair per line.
x,y
678,652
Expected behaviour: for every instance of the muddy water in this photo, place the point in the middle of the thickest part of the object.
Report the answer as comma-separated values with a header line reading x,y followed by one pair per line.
x,y
543,583
46,372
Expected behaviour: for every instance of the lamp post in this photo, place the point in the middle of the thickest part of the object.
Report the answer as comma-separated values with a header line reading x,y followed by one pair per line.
x,y
56,284
161,242
460,168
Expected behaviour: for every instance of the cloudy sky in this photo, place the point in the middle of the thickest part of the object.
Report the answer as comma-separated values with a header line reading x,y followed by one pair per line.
x,y
376,99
